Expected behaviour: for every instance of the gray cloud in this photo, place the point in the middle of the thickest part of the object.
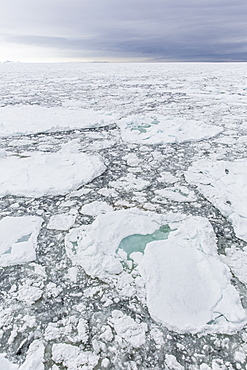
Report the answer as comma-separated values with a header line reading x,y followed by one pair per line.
x,y
154,29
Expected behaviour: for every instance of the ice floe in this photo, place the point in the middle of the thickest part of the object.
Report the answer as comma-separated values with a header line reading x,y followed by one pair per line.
x,y
188,288
130,182
94,246
95,208
158,129
176,193
224,184
36,174
18,239
62,221
29,119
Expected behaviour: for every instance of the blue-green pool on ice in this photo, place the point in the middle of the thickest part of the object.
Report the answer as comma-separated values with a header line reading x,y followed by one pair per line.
x,y
138,242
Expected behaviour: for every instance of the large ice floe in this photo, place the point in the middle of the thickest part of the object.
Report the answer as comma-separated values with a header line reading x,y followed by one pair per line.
x,y
35,174
224,184
159,129
18,239
188,288
29,119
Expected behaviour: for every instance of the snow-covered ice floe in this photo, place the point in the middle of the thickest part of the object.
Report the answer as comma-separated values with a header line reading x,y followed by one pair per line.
x,y
176,193
224,184
188,288
159,129
61,221
35,174
18,239
30,119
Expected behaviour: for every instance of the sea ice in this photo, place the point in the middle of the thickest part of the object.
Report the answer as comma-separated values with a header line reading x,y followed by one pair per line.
x,y
95,208
62,221
37,174
128,329
94,246
73,357
130,182
172,363
158,129
224,184
188,287
29,119
35,356
18,239
176,193
5,364
236,259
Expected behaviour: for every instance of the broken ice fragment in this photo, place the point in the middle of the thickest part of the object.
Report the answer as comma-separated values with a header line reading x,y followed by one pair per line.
x,y
18,239
128,329
62,221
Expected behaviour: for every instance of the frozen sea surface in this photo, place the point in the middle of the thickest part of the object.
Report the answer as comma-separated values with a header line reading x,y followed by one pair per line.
x,y
101,165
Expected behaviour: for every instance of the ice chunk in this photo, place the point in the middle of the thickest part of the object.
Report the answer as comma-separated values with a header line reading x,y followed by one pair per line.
x,y
188,287
95,208
130,182
29,294
159,130
224,183
128,329
35,357
177,193
172,363
18,239
41,174
73,357
62,221
27,119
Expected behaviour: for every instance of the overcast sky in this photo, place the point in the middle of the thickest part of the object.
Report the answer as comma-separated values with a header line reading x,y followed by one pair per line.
x,y
123,30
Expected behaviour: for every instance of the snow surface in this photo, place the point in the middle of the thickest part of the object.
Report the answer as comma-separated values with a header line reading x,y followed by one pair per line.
x,y
158,129
36,174
5,364
29,119
18,239
224,183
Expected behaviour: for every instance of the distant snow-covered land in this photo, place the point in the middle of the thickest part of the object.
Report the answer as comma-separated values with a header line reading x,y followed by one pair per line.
x,y
123,240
